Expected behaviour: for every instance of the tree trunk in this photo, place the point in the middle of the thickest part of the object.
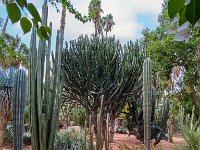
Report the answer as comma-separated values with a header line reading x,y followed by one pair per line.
x,y
112,121
194,95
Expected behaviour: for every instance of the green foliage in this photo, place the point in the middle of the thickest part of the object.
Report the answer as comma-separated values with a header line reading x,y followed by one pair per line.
x,y
70,140
14,12
192,136
78,115
33,11
191,11
27,114
14,17
13,51
174,7
25,25
101,66
8,137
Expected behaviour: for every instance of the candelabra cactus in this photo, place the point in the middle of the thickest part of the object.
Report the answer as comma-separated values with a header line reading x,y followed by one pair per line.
x,y
147,96
19,95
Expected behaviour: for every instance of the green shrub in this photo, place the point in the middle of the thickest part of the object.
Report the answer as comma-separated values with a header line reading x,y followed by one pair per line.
x,y
192,136
27,138
70,140
78,116
8,138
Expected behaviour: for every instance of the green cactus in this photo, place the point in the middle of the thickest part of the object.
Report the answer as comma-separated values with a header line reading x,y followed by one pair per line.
x,y
44,89
147,94
19,95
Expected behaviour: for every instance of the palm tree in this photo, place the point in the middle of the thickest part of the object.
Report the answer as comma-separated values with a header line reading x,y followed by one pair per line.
x,y
108,23
62,25
6,88
95,11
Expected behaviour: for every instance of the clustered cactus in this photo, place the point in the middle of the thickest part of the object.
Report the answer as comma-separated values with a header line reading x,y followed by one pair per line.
x,y
44,88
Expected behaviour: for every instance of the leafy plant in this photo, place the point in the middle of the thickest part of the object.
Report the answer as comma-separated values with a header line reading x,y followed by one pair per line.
x,y
6,94
186,11
70,140
192,136
79,116
187,22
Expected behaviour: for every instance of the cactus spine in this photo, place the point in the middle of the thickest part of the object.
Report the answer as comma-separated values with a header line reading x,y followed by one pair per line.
x,y
19,95
44,89
147,94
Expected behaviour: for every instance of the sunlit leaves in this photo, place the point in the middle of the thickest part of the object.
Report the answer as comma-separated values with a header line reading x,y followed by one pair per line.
x,y
182,18
25,25
174,6
22,3
33,11
14,12
193,11
187,12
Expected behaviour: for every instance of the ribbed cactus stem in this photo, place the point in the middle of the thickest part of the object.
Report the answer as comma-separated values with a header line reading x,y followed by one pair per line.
x,y
192,119
91,133
19,95
85,135
147,95
98,140
107,132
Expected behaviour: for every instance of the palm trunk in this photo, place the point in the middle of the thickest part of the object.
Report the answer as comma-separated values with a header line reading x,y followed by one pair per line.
x,y
111,137
62,26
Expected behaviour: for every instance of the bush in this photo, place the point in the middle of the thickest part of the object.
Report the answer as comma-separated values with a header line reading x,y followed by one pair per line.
x,y
192,136
79,116
8,136
70,140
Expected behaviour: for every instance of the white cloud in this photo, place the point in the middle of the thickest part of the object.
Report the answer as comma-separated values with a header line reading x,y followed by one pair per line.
x,y
125,13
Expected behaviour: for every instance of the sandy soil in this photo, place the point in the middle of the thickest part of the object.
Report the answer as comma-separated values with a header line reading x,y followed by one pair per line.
x,y
131,142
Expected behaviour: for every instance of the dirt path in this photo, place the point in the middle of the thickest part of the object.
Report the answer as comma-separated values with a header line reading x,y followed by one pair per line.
x,y
133,142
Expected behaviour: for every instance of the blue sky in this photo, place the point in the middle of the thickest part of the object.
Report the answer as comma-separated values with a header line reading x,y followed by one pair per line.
x,y
130,16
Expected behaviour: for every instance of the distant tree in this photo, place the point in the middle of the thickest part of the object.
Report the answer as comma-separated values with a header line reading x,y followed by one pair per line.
x,y
13,51
167,53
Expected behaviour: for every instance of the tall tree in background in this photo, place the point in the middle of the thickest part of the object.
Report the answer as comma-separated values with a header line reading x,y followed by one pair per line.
x,y
167,53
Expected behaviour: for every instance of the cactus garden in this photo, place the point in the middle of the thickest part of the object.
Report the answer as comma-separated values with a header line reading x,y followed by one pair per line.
x,y
99,75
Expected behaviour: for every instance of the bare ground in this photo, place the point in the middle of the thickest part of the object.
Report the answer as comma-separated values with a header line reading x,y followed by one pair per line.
x,y
131,142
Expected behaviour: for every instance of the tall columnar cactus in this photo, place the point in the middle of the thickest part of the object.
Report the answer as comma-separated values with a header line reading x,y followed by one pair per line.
x,y
147,95
19,95
44,89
